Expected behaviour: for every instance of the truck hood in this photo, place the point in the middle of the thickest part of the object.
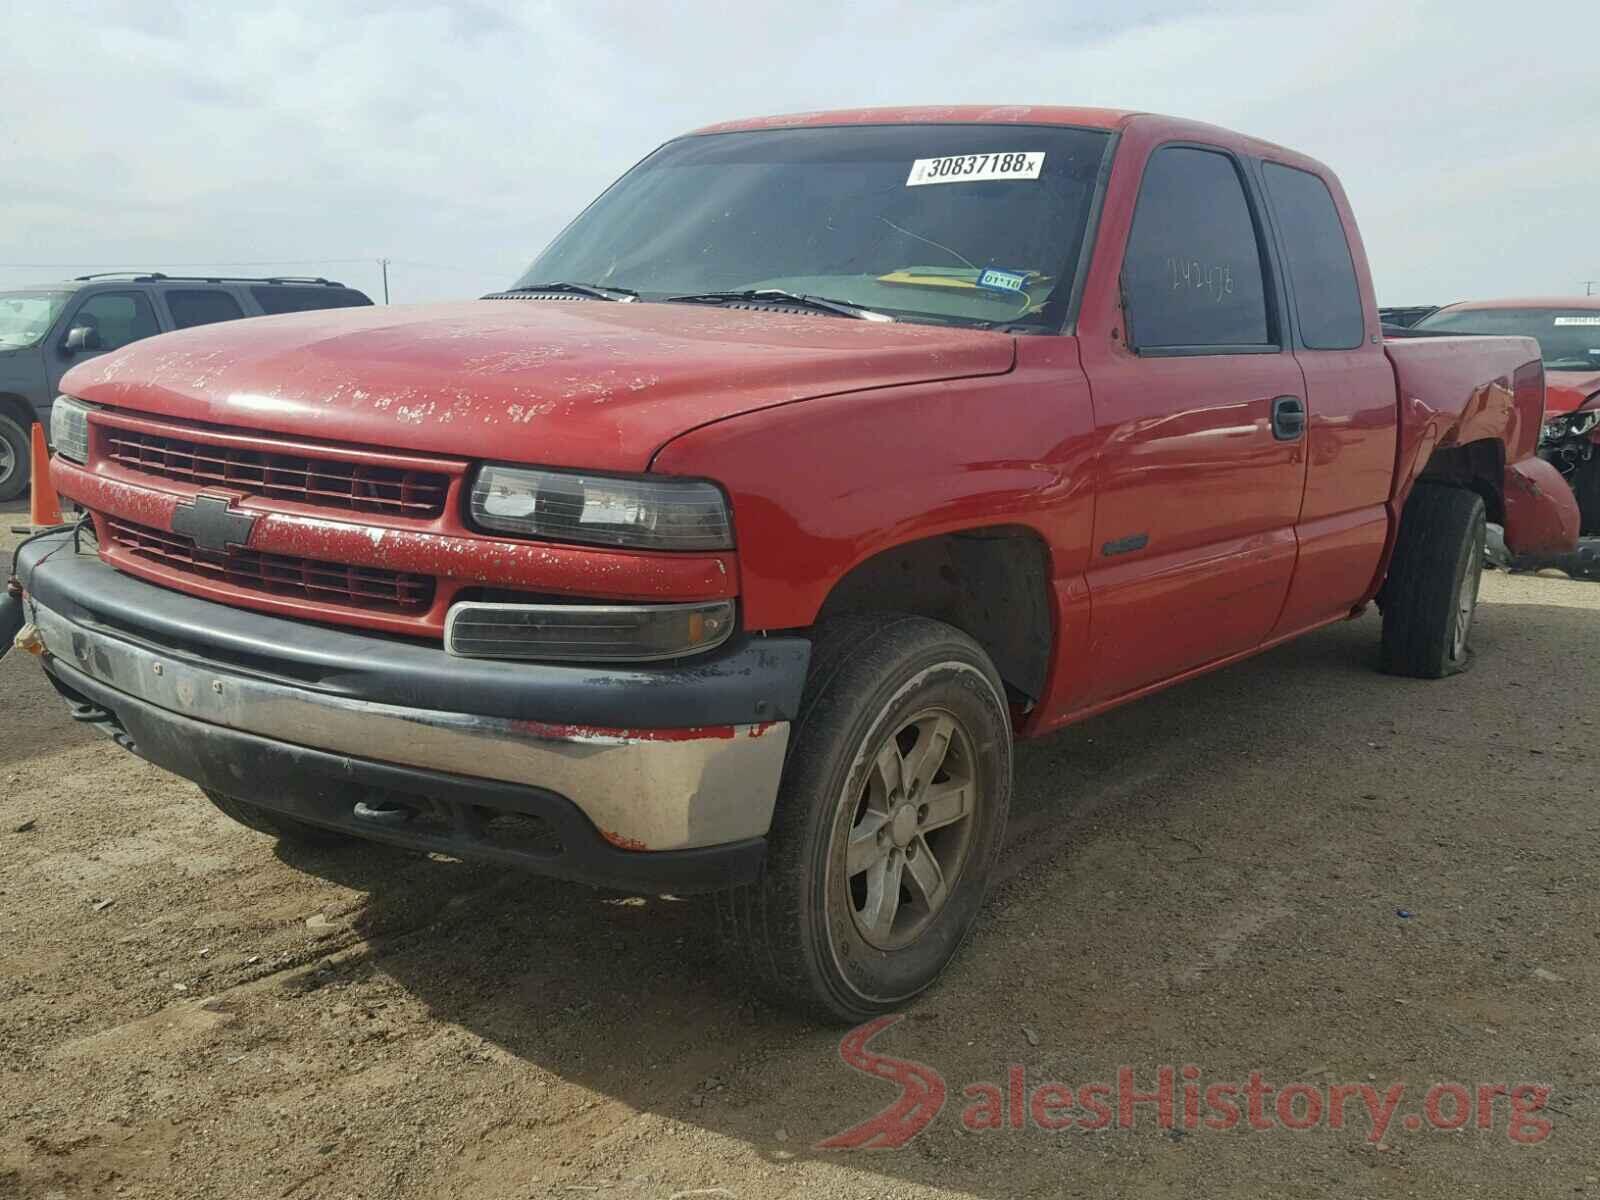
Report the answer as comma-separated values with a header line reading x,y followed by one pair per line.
x,y
1566,391
560,383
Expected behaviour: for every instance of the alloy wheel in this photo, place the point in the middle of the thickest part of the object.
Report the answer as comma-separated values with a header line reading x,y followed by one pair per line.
x,y
912,828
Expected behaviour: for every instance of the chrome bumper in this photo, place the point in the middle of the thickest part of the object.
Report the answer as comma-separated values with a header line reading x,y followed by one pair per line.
x,y
656,789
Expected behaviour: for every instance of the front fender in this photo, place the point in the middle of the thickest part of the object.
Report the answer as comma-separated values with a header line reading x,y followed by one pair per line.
x,y
822,486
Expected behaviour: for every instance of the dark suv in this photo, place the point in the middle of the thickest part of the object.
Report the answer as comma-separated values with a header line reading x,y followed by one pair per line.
x,y
47,329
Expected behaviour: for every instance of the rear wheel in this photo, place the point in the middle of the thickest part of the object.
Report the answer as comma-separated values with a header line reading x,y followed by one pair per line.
x,y
1431,594
889,819
285,829
15,461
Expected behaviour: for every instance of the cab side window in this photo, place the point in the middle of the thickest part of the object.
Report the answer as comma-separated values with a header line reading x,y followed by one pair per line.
x,y
118,317
1327,301
275,300
190,308
1192,275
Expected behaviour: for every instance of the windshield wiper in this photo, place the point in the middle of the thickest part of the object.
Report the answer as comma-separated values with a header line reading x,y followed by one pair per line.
x,y
620,294
841,308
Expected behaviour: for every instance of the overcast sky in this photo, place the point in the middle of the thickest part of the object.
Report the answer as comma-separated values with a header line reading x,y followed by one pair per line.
x,y
457,138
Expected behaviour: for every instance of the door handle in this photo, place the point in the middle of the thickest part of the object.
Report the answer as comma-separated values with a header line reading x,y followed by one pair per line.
x,y
1288,418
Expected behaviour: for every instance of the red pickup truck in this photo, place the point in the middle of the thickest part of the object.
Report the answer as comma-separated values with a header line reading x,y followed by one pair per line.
x,y
729,551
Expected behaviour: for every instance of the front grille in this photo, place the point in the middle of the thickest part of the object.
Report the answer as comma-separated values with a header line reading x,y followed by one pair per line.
x,y
369,588
323,482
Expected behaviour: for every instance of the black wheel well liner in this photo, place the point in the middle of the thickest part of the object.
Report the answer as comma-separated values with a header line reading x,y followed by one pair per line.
x,y
1478,466
992,583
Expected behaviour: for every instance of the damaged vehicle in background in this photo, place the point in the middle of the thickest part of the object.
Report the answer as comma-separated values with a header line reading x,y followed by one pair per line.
x,y
729,551
1568,332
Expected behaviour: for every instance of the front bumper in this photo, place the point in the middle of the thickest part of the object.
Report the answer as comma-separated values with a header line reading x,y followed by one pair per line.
x,y
661,776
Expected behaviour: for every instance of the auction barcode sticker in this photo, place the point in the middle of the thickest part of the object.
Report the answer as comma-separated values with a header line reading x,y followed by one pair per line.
x,y
976,168
1578,320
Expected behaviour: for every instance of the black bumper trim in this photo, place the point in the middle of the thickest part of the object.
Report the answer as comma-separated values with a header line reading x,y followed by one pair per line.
x,y
750,680
324,789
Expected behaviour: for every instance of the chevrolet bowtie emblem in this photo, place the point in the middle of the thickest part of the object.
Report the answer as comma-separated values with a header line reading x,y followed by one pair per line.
x,y
212,523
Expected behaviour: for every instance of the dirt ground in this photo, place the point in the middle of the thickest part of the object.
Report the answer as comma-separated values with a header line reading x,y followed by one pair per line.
x,y
1296,866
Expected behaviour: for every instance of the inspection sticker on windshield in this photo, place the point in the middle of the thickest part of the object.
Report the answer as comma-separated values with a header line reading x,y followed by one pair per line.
x,y
976,168
1003,281
1578,320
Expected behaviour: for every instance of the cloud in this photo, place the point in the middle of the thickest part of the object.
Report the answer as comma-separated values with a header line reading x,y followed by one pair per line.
x,y
465,135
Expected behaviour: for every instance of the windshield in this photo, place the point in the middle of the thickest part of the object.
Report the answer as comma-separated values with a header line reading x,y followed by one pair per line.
x,y
1569,339
25,317
947,223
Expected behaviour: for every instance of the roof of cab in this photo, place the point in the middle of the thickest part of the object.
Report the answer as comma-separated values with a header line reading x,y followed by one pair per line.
x,y
959,114
1109,119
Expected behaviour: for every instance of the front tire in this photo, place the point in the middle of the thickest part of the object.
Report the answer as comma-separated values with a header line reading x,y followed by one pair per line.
x,y
285,829
889,819
16,463
1431,594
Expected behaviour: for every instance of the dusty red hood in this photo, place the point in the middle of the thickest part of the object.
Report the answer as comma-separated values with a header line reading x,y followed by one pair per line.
x,y
1565,391
584,384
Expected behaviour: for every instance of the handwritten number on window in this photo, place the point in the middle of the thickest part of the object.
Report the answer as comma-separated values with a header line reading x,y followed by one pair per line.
x,y
1206,280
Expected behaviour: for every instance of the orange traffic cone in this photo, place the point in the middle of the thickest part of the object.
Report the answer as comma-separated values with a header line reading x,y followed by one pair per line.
x,y
44,505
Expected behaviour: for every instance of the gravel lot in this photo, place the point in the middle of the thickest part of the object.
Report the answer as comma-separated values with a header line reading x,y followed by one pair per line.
x,y
1215,877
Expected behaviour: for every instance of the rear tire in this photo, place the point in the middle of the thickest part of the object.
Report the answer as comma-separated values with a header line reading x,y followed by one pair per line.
x,y
1431,594
16,464
889,819
285,829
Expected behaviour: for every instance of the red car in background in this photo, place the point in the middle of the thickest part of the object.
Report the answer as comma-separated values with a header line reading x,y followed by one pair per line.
x,y
1568,332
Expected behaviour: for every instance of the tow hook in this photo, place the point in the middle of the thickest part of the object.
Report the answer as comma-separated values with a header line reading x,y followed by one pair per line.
x,y
381,812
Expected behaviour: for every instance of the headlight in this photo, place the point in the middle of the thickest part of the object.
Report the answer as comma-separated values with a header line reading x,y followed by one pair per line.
x,y
645,514
586,632
1567,425
69,428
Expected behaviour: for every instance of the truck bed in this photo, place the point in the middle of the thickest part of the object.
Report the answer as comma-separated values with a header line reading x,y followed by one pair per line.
x,y
1456,390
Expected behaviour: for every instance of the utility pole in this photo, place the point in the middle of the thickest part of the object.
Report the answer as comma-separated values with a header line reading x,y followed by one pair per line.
x,y
1588,286
384,263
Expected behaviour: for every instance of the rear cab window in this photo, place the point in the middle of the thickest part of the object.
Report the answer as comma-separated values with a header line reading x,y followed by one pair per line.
x,y
197,307
280,298
1192,275
1322,274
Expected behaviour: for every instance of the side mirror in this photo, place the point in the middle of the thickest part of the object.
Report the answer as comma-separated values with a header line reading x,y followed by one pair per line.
x,y
80,338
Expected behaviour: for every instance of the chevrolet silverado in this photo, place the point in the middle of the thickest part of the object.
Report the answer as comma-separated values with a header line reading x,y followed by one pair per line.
x,y
729,550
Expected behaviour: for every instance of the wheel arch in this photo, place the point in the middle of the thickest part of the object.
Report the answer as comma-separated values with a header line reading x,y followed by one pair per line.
x,y
992,582
18,409
1478,466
